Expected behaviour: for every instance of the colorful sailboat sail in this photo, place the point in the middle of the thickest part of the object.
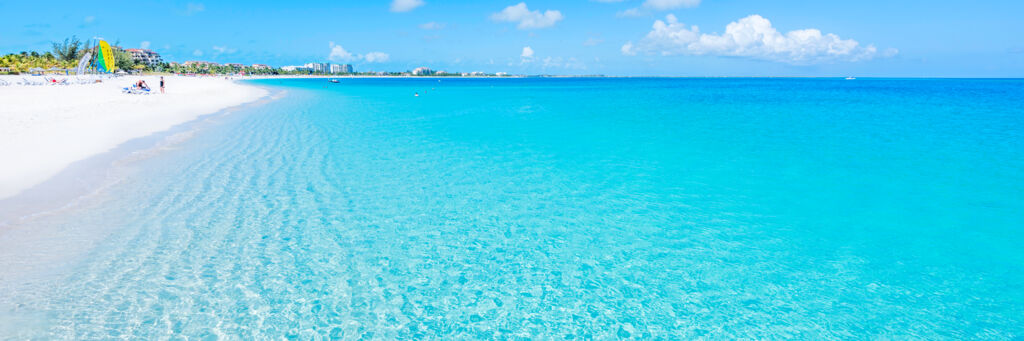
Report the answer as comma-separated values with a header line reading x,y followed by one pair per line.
x,y
105,58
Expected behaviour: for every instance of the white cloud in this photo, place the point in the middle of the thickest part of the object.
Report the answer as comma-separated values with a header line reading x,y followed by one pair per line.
x,y
527,52
224,50
197,53
432,26
564,63
526,56
376,57
527,19
631,13
752,37
193,8
144,45
338,53
627,49
405,5
663,5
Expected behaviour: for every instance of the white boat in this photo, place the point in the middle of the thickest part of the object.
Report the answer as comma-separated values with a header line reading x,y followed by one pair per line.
x,y
850,78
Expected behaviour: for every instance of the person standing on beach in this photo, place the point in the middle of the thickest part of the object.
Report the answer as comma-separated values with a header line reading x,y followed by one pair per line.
x,y
161,84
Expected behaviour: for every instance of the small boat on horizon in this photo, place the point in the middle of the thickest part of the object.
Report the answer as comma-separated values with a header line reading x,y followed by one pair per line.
x,y
851,78
334,81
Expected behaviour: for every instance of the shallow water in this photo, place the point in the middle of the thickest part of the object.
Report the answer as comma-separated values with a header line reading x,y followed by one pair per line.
x,y
554,208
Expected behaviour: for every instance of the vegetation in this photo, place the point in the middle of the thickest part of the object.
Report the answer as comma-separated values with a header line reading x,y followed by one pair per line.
x,y
68,51
123,59
66,54
25,61
217,69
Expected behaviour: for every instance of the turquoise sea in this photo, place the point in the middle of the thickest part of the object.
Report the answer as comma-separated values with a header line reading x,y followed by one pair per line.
x,y
579,208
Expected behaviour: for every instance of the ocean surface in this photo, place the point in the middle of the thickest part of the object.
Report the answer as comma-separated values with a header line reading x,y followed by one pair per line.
x,y
551,209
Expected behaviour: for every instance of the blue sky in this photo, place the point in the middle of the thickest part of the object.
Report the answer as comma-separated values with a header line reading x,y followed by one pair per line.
x,y
909,38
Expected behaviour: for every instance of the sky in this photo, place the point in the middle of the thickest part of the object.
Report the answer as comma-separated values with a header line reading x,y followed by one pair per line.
x,y
864,38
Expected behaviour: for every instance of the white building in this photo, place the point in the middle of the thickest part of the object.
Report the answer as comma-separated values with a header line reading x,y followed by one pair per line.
x,y
295,68
318,67
197,63
422,71
144,56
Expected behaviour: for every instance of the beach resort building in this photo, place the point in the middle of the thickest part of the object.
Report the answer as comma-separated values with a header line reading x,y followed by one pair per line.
x,y
317,67
144,56
422,71
341,68
197,63
235,65
261,66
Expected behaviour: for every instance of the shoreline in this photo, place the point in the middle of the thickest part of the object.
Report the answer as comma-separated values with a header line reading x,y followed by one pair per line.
x,y
50,127
82,185
85,178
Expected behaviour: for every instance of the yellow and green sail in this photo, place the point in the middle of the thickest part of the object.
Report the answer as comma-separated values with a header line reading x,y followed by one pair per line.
x,y
105,58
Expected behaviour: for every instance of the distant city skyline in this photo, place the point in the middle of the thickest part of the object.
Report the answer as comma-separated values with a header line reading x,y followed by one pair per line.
x,y
611,37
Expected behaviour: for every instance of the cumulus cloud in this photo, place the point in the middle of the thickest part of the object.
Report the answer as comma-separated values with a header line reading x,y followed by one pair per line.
x,y
144,45
527,52
525,57
339,54
405,5
752,37
664,5
432,26
627,49
527,19
376,57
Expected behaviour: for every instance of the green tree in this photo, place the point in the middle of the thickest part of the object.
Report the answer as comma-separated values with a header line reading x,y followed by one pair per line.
x,y
68,50
123,59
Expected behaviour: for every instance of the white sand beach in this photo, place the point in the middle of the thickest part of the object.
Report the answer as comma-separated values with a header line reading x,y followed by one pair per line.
x,y
45,128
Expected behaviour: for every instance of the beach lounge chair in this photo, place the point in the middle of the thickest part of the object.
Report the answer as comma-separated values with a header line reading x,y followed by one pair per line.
x,y
134,90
